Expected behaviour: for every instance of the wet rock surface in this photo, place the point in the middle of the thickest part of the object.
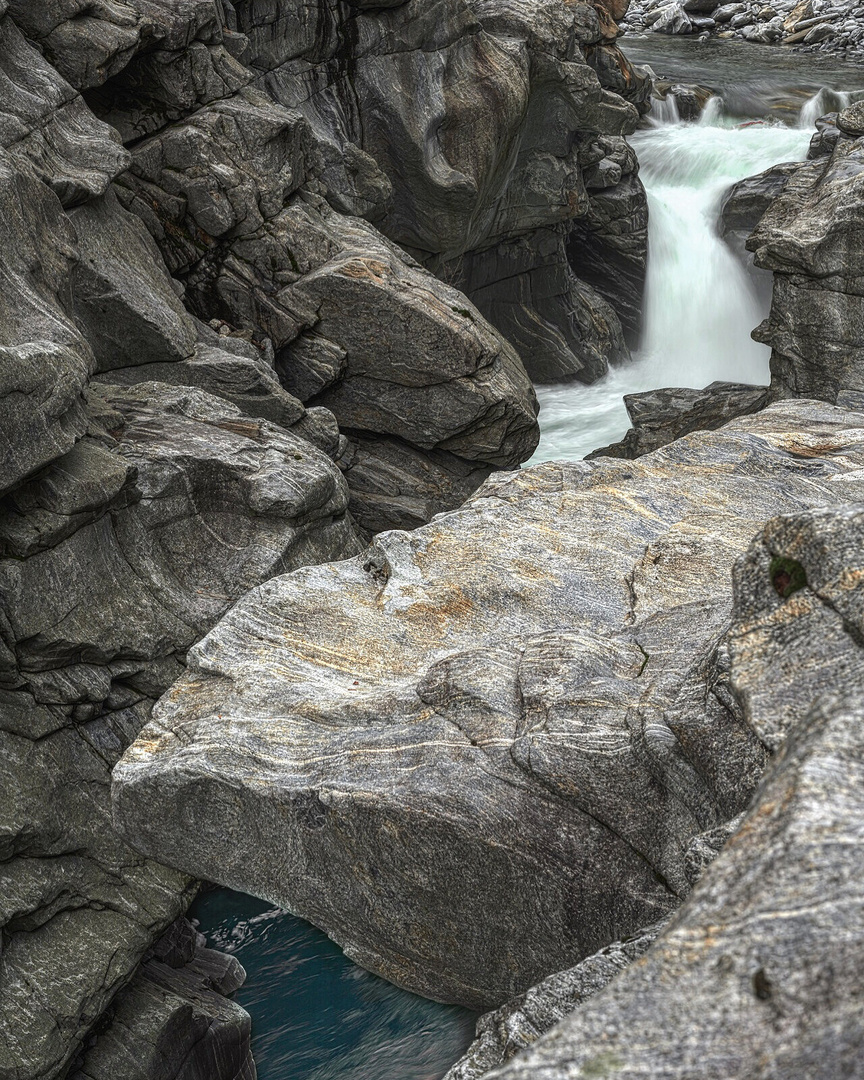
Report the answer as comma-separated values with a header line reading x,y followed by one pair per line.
x,y
661,416
486,683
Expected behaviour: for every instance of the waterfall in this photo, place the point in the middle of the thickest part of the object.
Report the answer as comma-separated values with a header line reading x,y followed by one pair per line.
x,y
700,302
823,101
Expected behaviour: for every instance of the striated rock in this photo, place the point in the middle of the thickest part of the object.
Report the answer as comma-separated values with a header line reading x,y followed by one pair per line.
x,y
661,416
174,1020
46,127
608,247
44,360
758,974
797,636
561,328
517,1025
254,250
485,705
809,237
113,561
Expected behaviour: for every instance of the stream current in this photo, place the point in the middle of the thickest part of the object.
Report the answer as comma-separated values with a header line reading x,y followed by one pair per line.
x,y
701,302
315,1014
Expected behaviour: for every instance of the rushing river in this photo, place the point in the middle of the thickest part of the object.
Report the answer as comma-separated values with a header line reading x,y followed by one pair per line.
x,y
700,302
316,1015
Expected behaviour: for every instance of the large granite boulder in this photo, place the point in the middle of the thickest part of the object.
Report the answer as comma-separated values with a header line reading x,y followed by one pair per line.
x,y
758,975
810,237
523,706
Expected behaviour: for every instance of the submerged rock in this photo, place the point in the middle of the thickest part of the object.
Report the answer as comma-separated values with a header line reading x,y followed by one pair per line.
x,y
524,704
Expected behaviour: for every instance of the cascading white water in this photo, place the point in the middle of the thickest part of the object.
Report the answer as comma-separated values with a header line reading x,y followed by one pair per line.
x,y
700,302
825,101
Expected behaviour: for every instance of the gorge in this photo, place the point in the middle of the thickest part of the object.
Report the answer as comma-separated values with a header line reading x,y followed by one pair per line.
x,y
280,612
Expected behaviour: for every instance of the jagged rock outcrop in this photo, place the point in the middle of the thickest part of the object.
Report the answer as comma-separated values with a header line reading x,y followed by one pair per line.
x,y
175,1019
488,711
185,325
757,975
113,561
661,416
810,237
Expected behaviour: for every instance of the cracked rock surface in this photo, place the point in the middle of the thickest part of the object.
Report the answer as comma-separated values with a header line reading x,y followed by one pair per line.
x,y
525,704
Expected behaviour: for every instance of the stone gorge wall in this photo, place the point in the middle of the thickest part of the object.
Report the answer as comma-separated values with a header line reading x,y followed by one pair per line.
x,y
217,365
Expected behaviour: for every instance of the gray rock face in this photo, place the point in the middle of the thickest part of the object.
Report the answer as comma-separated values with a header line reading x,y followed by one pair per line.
x,y
810,238
255,251
174,1020
661,416
758,975
486,712
115,559
509,1030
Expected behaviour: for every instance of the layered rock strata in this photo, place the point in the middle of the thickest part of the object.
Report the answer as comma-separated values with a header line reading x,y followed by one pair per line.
x,y
810,237
490,710
757,975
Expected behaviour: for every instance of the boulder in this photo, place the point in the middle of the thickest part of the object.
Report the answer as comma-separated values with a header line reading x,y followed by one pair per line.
x,y
46,127
809,237
757,975
488,710
661,416
221,195
517,1025
174,1020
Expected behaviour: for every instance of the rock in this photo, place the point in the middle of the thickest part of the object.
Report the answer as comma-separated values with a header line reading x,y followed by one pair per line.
x,y
461,746
124,297
607,247
115,559
282,264
45,362
660,416
851,120
819,33
517,1025
773,930
745,202
672,19
509,1030
561,328
700,7
808,238
173,1021
46,127
726,12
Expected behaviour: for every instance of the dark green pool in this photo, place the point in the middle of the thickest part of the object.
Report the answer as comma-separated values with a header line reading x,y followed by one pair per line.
x,y
315,1014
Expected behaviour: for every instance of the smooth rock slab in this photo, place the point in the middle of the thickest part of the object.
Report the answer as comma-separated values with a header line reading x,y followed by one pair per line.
x,y
517,709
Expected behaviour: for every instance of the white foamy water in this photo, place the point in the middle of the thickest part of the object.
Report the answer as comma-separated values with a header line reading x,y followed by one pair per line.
x,y
700,302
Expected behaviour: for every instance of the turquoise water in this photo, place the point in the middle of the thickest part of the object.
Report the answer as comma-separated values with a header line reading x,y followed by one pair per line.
x,y
318,1016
